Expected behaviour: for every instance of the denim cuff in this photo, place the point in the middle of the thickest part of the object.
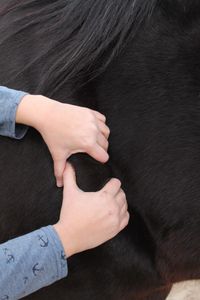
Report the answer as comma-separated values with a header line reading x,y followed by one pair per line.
x,y
9,101
59,253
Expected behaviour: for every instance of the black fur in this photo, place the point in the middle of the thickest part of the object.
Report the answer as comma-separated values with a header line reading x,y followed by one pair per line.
x,y
150,95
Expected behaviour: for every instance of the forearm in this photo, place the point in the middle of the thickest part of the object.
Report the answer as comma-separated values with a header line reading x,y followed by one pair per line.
x,y
31,262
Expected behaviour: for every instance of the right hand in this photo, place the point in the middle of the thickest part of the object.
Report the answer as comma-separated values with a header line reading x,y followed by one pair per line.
x,y
90,219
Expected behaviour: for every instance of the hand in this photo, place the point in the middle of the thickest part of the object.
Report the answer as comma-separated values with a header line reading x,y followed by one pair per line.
x,y
90,219
66,129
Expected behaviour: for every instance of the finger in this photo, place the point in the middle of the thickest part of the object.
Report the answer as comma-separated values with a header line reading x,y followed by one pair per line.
x,y
102,141
99,116
104,129
69,178
113,186
59,166
98,153
124,209
125,221
121,199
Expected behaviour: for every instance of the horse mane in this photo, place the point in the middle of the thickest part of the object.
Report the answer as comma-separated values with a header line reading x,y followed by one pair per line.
x,y
87,34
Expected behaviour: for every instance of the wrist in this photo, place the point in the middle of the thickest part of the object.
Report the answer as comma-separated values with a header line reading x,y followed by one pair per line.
x,y
27,110
66,240
33,110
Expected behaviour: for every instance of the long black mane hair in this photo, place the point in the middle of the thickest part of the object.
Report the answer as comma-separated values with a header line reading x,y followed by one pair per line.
x,y
93,32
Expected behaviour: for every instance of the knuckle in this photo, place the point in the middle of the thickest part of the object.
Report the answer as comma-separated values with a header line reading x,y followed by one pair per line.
x,y
117,182
108,131
103,116
91,116
124,208
103,194
88,142
57,173
106,144
58,177
125,203
122,196
106,198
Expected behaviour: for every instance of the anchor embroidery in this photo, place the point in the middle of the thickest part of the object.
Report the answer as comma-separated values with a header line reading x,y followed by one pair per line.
x,y
44,243
36,270
9,255
63,259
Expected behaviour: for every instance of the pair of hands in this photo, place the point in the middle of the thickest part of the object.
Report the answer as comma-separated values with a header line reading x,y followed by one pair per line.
x,y
86,219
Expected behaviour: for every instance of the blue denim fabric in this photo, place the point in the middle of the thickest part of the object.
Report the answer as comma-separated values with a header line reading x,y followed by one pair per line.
x,y
37,259
9,101
30,262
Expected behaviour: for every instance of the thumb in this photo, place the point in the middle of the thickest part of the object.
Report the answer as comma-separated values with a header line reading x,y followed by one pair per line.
x,y
59,167
69,178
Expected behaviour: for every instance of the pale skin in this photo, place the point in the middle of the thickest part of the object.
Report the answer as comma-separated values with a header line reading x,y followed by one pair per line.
x,y
66,129
89,219
86,219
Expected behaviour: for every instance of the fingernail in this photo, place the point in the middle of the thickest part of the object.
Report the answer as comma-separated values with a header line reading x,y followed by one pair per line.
x,y
59,184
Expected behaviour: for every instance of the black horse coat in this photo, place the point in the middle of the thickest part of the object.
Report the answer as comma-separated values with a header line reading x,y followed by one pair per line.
x,y
150,94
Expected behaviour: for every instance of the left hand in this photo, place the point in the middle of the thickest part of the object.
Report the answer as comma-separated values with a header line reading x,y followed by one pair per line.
x,y
66,129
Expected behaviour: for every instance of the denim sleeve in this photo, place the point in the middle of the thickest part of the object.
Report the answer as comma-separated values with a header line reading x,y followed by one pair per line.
x,y
9,101
30,262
